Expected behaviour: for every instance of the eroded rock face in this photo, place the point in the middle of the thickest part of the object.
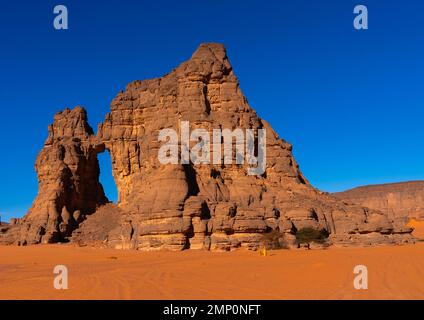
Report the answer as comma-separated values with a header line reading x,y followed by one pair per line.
x,y
403,200
68,182
181,206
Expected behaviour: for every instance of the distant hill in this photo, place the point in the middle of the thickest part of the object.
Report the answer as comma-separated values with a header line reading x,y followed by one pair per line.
x,y
1,221
403,199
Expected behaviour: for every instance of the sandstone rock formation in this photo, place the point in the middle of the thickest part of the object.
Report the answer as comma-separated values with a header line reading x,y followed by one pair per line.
x,y
404,200
181,206
68,179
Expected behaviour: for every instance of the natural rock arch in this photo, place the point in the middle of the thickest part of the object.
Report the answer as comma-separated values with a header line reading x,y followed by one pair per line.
x,y
163,206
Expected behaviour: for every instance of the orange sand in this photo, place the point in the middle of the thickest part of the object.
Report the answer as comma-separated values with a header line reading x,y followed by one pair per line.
x,y
394,273
418,228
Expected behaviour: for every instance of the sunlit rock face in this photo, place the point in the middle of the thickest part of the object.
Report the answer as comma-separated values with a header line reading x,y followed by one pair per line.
x,y
184,205
404,200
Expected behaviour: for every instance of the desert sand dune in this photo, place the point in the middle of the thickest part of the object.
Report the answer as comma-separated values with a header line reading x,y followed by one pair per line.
x,y
418,228
394,273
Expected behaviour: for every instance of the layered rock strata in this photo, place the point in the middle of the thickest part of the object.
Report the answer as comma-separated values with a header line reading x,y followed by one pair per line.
x,y
404,200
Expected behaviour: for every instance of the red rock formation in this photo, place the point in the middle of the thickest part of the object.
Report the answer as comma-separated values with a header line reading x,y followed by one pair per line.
x,y
177,206
404,200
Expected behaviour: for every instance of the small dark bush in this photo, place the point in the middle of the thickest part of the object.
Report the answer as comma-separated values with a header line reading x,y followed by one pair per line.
x,y
308,235
274,240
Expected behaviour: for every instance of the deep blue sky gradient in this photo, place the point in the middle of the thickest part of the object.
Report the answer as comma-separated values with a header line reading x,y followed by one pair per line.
x,y
351,102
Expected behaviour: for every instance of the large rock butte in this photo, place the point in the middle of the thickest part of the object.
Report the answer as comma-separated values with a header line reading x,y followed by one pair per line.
x,y
181,206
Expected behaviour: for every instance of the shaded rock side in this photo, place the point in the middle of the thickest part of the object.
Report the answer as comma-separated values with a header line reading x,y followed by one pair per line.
x,y
404,200
187,206
95,229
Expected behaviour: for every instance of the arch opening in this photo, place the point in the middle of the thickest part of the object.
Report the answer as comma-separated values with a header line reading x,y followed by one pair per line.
x,y
106,177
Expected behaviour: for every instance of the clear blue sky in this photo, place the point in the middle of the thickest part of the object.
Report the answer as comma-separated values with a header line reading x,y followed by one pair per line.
x,y
351,102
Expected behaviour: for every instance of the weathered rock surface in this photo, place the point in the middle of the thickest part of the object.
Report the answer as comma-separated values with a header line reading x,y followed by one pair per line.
x,y
68,182
96,228
404,200
4,227
180,206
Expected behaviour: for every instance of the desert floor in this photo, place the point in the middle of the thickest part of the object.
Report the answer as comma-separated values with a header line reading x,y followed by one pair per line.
x,y
394,272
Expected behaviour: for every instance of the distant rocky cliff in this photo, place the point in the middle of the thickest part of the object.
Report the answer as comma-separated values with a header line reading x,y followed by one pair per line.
x,y
184,205
403,200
